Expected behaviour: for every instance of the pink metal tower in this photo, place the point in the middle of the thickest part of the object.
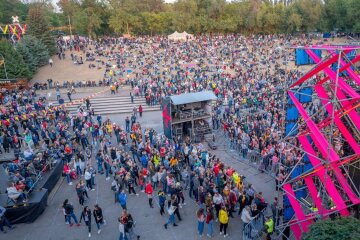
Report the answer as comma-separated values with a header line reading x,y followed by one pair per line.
x,y
328,137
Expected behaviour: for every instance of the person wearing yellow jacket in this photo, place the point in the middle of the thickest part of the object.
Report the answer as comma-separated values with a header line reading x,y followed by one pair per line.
x,y
224,220
269,227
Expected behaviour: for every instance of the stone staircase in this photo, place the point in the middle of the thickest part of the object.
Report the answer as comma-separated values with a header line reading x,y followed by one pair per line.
x,y
112,105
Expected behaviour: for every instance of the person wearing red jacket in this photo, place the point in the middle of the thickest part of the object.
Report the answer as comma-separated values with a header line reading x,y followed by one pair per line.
x,y
140,110
149,192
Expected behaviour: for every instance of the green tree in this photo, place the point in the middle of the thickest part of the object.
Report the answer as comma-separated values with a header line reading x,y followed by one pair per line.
x,y
87,18
340,228
27,57
9,8
37,49
38,26
125,17
152,22
15,66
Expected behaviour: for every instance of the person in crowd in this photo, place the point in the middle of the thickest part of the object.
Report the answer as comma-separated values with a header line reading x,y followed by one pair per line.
x,y
162,200
149,193
98,216
269,227
224,221
15,194
171,211
69,210
4,222
122,199
201,221
67,171
88,179
86,216
209,222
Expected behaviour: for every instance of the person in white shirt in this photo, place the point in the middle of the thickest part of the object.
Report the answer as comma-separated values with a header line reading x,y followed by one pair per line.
x,y
246,219
217,200
14,194
88,180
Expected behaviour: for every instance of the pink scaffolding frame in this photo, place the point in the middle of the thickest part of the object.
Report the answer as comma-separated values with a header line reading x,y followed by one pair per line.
x,y
340,100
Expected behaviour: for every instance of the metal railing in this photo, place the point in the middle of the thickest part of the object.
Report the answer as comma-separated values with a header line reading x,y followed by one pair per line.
x,y
253,230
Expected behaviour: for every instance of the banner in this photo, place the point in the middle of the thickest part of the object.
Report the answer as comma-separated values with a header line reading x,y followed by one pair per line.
x,y
166,114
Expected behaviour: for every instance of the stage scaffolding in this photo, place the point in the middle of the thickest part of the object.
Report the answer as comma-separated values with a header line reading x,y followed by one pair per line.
x,y
323,122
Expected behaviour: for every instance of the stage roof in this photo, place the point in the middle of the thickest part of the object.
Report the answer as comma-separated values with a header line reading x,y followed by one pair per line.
x,y
192,97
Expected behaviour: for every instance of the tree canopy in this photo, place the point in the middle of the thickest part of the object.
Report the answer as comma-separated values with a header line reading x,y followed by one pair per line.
x,y
205,16
115,17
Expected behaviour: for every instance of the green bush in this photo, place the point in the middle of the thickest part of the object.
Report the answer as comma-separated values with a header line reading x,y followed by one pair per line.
x,y
339,229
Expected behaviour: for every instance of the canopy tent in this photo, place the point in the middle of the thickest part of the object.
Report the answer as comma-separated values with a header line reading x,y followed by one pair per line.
x,y
186,98
180,36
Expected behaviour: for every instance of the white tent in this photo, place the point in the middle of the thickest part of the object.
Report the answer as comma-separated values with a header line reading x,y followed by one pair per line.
x,y
180,36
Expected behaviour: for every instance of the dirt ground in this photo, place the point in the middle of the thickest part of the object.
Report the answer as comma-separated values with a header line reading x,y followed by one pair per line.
x,y
66,70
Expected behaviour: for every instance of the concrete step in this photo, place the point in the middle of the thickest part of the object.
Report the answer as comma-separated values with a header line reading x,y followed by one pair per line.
x,y
112,105
119,111
105,99
109,103
125,107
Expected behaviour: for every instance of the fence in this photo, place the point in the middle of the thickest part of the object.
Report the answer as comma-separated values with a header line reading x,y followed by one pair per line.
x,y
253,230
252,157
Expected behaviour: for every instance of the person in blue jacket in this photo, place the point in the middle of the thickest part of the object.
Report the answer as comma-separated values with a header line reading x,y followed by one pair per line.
x,y
162,200
122,199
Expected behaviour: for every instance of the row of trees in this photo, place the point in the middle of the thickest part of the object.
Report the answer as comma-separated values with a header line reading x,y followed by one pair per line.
x,y
99,17
114,17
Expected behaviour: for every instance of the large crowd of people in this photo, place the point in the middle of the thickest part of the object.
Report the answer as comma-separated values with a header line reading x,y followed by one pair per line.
x,y
245,75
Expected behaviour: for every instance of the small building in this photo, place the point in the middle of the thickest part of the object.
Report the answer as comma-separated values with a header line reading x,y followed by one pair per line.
x,y
188,114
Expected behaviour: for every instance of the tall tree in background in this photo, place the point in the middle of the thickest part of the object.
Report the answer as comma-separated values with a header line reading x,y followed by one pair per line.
x,y
87,19
38,26
124,16
10,8
15,66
